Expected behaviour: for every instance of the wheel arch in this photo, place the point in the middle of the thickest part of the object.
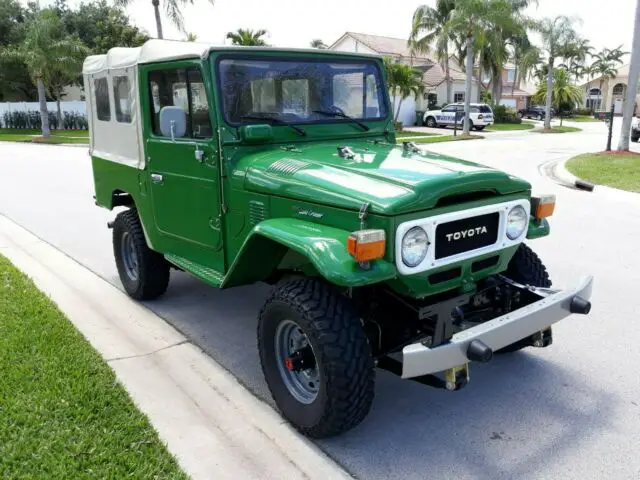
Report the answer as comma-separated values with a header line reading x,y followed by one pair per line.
x,y
261,256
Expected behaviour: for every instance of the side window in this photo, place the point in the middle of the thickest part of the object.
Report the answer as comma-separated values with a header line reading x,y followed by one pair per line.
x,y
182,88
101,89
122,97
449,109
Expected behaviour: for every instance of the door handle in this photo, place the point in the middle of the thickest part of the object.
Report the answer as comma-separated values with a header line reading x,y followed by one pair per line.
x,y
157,178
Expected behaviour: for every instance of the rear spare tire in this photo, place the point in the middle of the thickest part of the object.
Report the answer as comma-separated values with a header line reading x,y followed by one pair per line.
x,y
143,272
316,358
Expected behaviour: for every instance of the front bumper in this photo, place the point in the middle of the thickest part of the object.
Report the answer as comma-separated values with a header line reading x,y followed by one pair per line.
x,y
505,330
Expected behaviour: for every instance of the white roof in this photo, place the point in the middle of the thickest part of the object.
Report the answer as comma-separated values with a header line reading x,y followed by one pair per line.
x,y
160,50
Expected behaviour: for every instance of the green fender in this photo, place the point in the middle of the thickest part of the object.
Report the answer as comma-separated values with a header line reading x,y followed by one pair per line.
x,y
538,229
325,247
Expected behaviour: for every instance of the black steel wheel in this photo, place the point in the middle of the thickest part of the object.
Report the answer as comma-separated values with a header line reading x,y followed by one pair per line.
x,y
526,267
316,358
143,272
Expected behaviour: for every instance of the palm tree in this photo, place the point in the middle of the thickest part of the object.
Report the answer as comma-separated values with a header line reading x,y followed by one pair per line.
x,y
403,80
605,64
317,43
475,21
564,92
557,34
247,37
48,56
634,73
428,27
172,9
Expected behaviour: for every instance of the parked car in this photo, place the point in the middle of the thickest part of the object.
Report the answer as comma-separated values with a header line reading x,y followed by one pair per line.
x,y
481,115
535,111
380,255
635,129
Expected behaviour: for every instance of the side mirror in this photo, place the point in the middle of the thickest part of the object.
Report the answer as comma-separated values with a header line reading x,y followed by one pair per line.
x,y
173,122
256,133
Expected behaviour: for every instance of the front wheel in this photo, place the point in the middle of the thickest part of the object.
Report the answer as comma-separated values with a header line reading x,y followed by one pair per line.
x,y
479,129
431,122
316,358
143,272
540,117
526,267
635,138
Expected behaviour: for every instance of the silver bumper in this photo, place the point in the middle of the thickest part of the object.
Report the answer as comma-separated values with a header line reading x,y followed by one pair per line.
x,y
419,360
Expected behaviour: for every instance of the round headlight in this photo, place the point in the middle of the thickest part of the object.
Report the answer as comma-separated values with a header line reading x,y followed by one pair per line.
x,y
414,247
516,222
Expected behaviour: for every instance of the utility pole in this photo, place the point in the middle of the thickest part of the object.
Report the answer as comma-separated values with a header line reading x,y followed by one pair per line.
x,y
632,86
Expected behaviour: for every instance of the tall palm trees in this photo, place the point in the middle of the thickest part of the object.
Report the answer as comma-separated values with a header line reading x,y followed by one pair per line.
x,y
605,64
557,35
317,43
403,80
429,26
247,37
563,93
48,56
634,73
172,9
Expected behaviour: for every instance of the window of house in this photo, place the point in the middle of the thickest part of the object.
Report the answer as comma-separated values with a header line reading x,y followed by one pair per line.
x,y
618,89
594,91
184,88
122,99
101,89
458,97
511,75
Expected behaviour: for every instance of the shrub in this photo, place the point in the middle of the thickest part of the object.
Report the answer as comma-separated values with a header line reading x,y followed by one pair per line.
x,y
584,111
503,114
31,119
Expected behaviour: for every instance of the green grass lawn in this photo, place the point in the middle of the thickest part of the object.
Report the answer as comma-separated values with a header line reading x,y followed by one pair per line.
x,y
63,414
558,129
618,170
57,136
443,138
407,133
502,127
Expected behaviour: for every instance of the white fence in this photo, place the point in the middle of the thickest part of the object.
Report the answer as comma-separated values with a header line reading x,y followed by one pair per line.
x,y
77,106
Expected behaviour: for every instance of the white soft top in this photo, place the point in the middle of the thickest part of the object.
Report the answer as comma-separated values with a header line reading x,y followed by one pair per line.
x,y
162,50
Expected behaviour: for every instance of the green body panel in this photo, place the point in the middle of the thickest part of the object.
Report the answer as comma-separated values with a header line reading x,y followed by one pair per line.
x,y
285,202
323,246
538,229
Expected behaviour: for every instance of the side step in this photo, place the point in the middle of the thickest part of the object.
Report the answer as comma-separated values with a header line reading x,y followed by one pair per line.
x,y
206,274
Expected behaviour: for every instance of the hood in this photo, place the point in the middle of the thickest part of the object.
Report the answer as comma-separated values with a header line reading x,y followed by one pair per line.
x,y
391,179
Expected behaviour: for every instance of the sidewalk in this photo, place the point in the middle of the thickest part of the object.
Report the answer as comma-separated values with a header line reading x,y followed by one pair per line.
x,y
210,422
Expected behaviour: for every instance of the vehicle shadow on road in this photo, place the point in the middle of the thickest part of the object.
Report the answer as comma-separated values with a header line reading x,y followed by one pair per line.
x,y
512,418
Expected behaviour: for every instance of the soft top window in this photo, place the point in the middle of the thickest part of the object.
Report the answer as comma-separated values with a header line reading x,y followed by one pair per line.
x,y
295,90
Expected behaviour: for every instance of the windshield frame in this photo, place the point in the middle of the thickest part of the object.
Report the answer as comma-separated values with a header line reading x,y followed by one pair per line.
x,y
305,57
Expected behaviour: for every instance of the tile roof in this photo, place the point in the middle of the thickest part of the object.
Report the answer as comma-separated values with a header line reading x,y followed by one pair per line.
x,y
434,75
388,45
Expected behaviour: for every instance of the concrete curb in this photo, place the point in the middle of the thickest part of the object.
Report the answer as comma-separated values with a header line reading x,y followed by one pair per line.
x,y
560,171
209,421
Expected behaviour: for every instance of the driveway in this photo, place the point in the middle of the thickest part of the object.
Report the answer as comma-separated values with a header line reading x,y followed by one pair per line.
x,y
568,411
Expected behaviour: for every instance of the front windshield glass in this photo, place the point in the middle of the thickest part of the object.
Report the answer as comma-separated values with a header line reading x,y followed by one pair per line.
x,y
295,91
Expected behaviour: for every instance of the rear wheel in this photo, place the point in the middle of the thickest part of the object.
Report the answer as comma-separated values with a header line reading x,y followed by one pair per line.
x,y
143,272
540,117
479,129
526,267
635,138
431,122
316,358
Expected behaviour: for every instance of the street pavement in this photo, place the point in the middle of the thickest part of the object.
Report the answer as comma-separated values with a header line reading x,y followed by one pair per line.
x,y
571,411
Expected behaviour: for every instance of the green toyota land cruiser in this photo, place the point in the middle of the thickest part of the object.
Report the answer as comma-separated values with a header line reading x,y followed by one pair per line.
x,y
242,165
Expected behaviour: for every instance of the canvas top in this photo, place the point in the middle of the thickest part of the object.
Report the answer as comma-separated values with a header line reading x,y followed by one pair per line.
x,y
164,50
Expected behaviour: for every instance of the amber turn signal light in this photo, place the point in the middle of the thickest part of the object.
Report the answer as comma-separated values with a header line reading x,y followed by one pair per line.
x,y
543,206
365,245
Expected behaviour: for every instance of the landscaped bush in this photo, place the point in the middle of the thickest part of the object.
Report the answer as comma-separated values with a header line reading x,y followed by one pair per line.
x,y
503,114
31,119
397,126
584,111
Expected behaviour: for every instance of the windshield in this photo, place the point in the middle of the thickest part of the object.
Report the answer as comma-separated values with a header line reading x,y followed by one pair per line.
x,y
300,91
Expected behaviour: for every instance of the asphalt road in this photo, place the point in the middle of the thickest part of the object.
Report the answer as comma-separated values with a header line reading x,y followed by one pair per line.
x,y
571,411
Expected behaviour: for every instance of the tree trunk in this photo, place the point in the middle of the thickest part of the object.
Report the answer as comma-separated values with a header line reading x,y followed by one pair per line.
x,y
515,80
547,116
393,100
58,109
467,91
634,73
601,105
398,111
156,10
44,112
447,78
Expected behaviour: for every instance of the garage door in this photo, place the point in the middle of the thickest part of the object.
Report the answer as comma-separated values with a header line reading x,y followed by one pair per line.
x,y
508,102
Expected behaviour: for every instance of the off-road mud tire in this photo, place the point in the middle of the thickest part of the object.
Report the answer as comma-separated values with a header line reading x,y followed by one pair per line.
x,y
526,267
342,351
152,268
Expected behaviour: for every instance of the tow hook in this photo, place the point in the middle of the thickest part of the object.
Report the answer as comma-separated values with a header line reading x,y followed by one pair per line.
x,y
542,339
456,378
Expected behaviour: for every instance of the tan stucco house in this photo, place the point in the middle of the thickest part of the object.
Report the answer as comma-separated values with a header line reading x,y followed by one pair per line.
x,y
602,92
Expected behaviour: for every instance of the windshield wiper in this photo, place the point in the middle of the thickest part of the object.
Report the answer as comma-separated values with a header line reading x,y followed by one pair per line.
x,y
342,115
275,120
